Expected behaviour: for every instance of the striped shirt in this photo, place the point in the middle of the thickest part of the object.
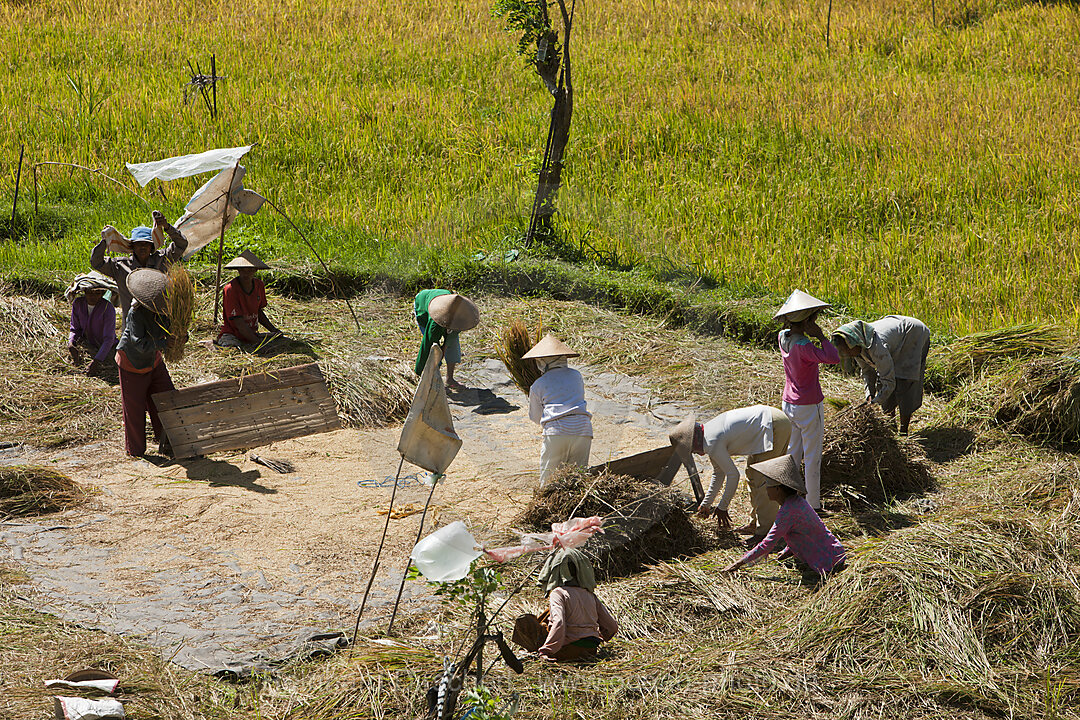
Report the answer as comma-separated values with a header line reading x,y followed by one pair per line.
x,y
557,402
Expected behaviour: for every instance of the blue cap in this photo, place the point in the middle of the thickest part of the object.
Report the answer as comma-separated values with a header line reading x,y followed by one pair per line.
x,y
141,234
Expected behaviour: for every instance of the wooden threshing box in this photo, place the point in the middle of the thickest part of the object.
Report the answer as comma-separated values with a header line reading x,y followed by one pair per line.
x,y
247,412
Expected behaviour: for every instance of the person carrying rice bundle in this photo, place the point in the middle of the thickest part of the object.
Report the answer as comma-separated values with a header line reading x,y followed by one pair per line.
x,y
93,298
145,249
576,621
142,367
796,524
803,400
243,303
759,432
557,404
442,316
892,355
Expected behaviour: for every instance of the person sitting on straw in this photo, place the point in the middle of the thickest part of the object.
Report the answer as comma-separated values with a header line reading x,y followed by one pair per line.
x,y
892,354
796,523
142,367
145,248
576,621
243,302
93,319
557,403
803,400
760,432
442,316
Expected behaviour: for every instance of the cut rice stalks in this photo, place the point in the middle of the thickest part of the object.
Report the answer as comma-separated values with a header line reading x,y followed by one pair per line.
x,y
513,344
370,392
34,490
181,311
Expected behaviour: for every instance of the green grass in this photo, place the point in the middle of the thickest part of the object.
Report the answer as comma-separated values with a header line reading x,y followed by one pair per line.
x,y
923,169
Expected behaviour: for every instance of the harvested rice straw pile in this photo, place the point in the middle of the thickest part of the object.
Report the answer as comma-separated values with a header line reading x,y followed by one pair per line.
x,y
33,490
515,342
370,392
181,312
1041,399
643,522
861,452
975,606
969,356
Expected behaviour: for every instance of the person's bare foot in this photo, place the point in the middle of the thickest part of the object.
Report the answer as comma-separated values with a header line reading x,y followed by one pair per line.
x,y
454,385
748,529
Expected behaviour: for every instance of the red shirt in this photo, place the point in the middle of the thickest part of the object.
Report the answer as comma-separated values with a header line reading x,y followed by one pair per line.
x,y
242,307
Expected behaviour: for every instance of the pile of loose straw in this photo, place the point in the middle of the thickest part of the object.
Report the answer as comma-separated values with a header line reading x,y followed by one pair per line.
x,y
370,392
33,490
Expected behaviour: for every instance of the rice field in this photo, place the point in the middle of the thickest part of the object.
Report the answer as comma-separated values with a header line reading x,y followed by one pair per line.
x,y
921,163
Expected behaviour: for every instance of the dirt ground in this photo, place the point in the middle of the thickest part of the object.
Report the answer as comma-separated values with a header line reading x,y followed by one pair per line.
x,y
216,560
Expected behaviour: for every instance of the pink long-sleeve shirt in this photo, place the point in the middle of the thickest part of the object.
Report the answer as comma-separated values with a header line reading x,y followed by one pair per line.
x,y
802,384
576,613
805,534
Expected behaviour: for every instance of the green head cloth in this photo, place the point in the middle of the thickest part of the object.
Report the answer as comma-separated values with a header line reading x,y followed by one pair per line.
x,y
567,567
857,334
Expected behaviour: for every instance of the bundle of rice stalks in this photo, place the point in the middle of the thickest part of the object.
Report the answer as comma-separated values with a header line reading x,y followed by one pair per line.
x,y
33,490
1041,400
181,312
969,356
861,452
514,343
370,392
978,611
643,522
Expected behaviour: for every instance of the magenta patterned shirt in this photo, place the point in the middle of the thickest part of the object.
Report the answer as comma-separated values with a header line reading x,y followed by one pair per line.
x,y
805,534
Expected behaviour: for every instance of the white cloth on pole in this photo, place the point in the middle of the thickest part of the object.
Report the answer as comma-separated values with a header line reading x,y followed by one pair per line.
x,y
201,222
186,165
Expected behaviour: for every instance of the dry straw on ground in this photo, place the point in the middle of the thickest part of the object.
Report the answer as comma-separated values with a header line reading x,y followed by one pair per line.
x,y
181,311
862,453
643,522
370,392
33,490
515,342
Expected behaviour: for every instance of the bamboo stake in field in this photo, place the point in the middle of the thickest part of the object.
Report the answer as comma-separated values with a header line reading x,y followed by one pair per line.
x,y
15,202
221,242
419,533
375,565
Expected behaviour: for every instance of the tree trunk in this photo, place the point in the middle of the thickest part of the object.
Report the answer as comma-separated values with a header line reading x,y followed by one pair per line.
x,y
550,179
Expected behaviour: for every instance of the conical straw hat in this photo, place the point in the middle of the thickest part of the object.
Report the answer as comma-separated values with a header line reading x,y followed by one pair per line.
x,y
682,437
799,306
550,346
454,312
778,471
246,259
148,287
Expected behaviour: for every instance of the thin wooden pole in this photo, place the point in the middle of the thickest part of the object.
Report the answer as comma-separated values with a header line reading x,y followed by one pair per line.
x,y
213,83
933,12
419,532
375,565
828,25
18,177
221,241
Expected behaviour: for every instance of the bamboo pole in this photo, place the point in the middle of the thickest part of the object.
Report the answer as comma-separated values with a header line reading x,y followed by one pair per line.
x,y
15,202
419,533
375,565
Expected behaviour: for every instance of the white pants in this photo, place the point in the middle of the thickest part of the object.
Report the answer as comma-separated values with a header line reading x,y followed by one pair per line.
x,y
561,450
807,437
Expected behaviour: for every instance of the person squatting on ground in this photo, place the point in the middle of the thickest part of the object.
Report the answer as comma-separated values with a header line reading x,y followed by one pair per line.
x,y
797,524
145,248
243,302
142,367
892,354
441,316
803,400
576,621
557,403
759,432
93,320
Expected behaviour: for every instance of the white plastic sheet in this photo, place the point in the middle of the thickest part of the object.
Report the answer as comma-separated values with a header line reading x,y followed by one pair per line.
x,y
446,554
73,708
186,165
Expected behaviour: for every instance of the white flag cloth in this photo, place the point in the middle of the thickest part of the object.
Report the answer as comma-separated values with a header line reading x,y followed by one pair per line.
x,y
201,222
185,165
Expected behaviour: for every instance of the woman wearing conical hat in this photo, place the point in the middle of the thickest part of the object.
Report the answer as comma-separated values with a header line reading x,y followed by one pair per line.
x,y
557,403
803,400
142,367
442,316
797,524
243,304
